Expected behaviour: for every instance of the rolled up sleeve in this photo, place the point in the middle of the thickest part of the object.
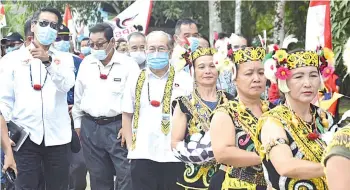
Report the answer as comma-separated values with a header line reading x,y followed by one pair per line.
x,y
62,72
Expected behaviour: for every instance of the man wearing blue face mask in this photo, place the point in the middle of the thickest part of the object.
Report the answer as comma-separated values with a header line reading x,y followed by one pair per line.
x,y
12,41
35,82
77,169
98,95
147,113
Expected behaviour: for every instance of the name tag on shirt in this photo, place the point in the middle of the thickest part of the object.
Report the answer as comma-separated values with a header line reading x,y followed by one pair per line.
x,y
117,79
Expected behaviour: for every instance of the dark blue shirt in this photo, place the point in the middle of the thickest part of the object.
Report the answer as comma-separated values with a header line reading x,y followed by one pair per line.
x,y
70,94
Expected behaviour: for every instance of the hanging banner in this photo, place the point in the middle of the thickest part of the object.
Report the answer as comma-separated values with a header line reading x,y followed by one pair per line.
x,y
137,14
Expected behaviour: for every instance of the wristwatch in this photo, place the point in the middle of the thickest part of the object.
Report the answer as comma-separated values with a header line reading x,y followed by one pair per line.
x,y
48,63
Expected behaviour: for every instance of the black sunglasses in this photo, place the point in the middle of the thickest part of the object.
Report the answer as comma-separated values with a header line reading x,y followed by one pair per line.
x,y
64,38
44,23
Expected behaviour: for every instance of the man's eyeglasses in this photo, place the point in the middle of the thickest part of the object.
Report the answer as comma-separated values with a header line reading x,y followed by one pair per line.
x,y
64,38
44,23
98,45
153,49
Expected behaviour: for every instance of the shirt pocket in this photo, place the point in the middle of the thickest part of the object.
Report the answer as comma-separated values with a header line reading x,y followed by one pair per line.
x,y
117,86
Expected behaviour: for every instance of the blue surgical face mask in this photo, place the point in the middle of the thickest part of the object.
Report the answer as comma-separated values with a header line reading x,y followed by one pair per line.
x,y
9,49
85,50
45,35
100,54
158,60
62,46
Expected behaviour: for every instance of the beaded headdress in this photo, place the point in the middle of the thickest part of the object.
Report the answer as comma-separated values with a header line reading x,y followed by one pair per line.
x,y
248,54
202,52
278,63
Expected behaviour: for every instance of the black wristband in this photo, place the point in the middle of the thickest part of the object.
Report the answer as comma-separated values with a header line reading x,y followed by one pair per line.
x,y
48,62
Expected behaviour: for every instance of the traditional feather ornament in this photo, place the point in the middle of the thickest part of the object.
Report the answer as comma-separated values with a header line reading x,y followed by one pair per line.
x,y
270,70
288,40
282,86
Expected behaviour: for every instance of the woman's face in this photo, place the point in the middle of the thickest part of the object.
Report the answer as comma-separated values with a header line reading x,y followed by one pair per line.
x,y
205,71
304,84
250,80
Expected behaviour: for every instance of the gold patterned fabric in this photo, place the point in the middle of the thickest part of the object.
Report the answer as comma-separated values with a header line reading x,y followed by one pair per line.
x,y
301,146
247,178
198,121
165,124
202,52
339,145
248,54
302,59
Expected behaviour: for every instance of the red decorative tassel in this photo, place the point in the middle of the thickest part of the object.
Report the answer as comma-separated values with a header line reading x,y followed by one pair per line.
x,y
37,87
275,47
103,76
155,103
313,136
229,52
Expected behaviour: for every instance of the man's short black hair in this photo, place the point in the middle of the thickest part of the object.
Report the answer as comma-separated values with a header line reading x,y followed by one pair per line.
x,y
48,9
136,34
185,21
27,28
103,27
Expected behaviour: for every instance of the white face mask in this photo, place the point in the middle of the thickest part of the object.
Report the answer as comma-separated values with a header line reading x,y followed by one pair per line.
x,y
139,56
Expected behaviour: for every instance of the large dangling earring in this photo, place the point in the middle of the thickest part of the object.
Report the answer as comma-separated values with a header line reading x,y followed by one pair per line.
x,y
324,120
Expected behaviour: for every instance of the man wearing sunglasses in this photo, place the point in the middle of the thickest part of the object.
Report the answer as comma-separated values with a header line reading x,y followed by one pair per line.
x,y
12,41
98,94
77,169
35,81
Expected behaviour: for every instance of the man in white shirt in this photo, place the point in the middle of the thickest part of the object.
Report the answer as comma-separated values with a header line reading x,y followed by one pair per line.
x,y
97,110
137,45
146,117
34,83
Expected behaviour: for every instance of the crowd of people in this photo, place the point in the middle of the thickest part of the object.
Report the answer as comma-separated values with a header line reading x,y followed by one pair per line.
x,y
162,112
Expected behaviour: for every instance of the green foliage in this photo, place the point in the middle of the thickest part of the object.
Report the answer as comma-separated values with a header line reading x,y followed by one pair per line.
x,y
15,19
87,9
340,16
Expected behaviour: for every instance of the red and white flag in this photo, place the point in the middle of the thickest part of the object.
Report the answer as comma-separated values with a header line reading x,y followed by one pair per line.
x,y
318,25
137,14
2,16
69,23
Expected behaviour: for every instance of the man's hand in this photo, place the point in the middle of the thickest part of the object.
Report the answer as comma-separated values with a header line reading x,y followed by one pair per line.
x,y
9,162
120,134
39,53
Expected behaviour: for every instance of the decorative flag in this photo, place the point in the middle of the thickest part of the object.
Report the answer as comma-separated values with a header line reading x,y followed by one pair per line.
x,y
2,16
69,23
318,25
326,104
134,18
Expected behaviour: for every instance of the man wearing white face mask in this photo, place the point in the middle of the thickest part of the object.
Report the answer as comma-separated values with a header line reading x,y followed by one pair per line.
x,y
137,45
147,113
35,82
97,111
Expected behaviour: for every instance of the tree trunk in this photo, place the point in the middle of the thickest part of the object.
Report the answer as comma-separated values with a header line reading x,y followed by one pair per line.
x,y
214,18
238,18
278,33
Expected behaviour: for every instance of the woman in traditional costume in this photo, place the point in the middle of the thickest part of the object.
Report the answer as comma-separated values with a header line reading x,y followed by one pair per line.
x,y
190,123
337,157
291,137
233,124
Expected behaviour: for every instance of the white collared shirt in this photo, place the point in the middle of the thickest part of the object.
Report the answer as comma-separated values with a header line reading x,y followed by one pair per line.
x,y
151,143
101,97
44,114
